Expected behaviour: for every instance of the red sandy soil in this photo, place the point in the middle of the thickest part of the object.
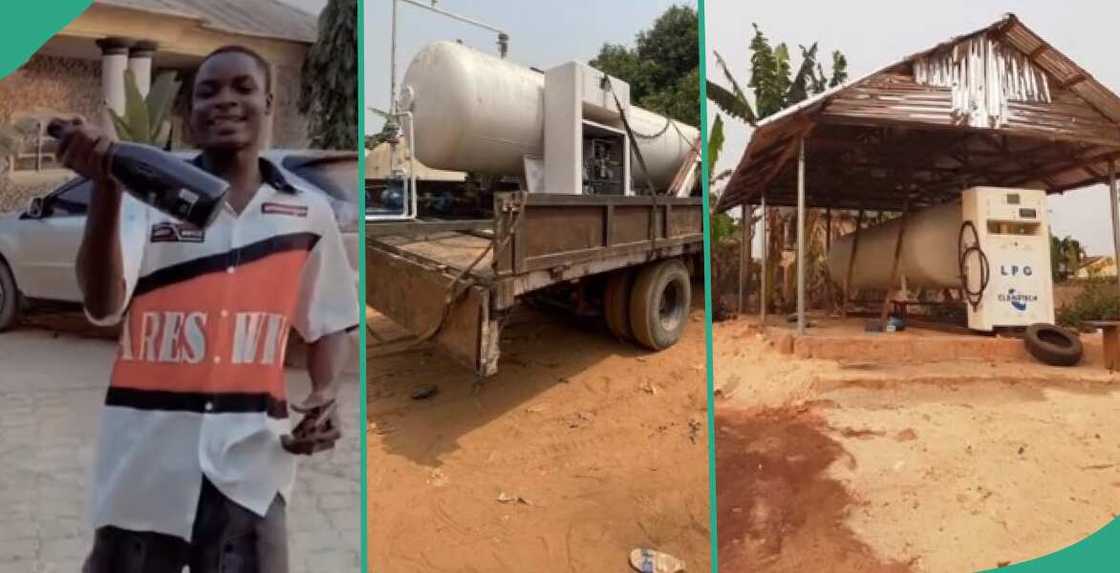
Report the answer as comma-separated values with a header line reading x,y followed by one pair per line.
x,y
579,450
952,466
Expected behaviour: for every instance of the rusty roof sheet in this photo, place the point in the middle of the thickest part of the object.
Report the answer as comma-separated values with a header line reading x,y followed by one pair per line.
x,y
261,18
1071,121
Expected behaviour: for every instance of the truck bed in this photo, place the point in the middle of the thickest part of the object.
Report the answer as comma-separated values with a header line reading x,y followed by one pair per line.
x,y
425,281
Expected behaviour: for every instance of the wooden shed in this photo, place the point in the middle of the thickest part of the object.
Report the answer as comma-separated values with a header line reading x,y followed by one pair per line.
x,y
997,107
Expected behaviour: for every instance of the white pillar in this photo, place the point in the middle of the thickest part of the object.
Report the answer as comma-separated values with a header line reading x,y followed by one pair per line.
x,y
140,62
801,236
114,61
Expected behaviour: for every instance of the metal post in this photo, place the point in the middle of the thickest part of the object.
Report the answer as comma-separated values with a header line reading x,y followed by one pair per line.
x,y
763,288
801,236
744,252
1112,196
393,63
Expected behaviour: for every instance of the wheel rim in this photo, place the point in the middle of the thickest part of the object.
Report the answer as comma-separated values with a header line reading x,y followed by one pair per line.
x,y
669,312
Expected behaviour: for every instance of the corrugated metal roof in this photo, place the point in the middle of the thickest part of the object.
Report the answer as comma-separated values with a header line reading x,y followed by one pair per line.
x,y
864,132
263,18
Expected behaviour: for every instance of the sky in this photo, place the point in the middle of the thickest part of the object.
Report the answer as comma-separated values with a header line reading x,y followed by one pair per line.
x,y
542,34
874,33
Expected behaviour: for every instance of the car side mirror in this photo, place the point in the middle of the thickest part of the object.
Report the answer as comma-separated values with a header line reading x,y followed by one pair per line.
x,y
37,209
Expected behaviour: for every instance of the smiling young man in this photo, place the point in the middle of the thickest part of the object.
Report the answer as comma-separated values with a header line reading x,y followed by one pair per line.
x,y
195,451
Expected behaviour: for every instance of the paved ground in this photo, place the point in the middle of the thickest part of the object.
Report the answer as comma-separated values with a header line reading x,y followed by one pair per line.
x,y
51,388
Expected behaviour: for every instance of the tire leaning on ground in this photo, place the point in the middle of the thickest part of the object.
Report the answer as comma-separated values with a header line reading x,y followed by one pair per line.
x,y
616,303
9,298
659,303
1053,345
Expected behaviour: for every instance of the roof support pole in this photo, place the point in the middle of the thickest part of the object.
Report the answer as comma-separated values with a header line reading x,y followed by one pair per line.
x,y
895,263
827,249
1112,199
744,252
851,263
801,235
763,286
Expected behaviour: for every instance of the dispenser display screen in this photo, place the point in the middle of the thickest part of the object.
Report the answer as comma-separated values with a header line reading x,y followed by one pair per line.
x,y
1028,213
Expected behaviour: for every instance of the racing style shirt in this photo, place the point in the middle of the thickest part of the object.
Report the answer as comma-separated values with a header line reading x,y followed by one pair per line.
x,y
198,383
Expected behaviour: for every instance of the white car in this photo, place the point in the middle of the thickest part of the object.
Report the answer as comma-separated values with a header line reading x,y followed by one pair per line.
x,y
39,246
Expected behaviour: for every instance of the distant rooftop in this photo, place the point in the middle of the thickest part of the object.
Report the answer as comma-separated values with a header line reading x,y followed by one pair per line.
x,y
263,18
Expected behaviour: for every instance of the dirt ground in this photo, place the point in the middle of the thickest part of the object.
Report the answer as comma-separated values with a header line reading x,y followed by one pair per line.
x,y
579,450
934,467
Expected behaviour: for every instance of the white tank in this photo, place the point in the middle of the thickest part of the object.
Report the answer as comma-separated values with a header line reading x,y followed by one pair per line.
x,y
928,258
476,112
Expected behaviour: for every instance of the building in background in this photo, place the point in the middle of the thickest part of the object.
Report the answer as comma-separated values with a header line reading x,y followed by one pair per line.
x,y
81,70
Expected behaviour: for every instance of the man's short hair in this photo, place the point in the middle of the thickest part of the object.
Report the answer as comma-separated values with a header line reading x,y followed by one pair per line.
x,y
262,63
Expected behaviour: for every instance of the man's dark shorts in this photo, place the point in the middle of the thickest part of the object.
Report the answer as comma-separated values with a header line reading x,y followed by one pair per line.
x,y
227,539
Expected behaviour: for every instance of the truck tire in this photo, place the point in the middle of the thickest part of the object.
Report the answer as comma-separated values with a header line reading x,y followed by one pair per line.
x,y
616,303
1053,345
659,303
9,298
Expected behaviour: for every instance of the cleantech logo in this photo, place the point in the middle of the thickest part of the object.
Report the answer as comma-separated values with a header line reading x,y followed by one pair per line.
x,y
1017,300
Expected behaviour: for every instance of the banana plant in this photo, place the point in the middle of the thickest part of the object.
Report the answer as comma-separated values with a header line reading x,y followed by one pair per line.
x,y
146,119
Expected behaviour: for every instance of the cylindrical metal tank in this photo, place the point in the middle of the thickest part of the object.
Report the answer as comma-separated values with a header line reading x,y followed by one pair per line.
x,y
475,112
929,257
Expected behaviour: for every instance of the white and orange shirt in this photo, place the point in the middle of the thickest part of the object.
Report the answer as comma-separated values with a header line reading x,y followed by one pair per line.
x,y
198,383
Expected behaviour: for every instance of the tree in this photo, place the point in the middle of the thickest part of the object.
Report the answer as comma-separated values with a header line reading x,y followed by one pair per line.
x,y
663,67
329,78
1066,255
774,86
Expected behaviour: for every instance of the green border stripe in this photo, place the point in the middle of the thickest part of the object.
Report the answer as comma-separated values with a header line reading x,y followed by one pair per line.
x,y
708,360
26,26
362,424
1097,553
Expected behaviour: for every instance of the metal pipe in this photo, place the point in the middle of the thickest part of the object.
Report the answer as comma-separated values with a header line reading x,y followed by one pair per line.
x,y
393,63
764,293
1113,197
412,208
455,16
801,236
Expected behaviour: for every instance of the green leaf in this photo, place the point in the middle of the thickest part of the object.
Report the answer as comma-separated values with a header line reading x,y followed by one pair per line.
x,y
135,111
730,103
715,140
161,97
124,132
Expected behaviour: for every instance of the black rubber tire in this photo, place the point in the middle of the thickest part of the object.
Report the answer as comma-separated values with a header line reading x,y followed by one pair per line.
x,y
616,303
1053,345
9,298
659,304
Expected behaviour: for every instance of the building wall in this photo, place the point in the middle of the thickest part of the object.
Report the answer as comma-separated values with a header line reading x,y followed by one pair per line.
x,y
44,85
53,85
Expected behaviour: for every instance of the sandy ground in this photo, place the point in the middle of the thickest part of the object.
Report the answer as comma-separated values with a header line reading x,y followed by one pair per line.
x,y
579,450
936,467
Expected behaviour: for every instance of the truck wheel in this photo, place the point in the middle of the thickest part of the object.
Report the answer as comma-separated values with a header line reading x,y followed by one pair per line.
x,y
1053,345
659,303
616,303
9,298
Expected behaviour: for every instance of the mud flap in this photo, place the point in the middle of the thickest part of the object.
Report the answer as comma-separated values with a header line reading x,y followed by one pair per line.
x,y
412,294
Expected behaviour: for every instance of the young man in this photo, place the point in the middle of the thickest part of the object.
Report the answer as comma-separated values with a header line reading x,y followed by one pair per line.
x,y
195,460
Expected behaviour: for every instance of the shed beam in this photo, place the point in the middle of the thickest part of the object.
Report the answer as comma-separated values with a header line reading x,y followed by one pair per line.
x,y
801,236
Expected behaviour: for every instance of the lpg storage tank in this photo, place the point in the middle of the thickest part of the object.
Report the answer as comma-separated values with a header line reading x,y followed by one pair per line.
x,y
997,238
475,112
929,257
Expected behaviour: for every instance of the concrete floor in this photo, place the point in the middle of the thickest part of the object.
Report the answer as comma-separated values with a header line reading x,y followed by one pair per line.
x,y
52,384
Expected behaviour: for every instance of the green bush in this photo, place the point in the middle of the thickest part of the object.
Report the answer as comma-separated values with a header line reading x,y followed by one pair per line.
x,y
1100,300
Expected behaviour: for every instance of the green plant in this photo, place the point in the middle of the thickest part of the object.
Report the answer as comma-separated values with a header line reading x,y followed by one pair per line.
x,y
663,67
146,119
329,78
775,86
1098,300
